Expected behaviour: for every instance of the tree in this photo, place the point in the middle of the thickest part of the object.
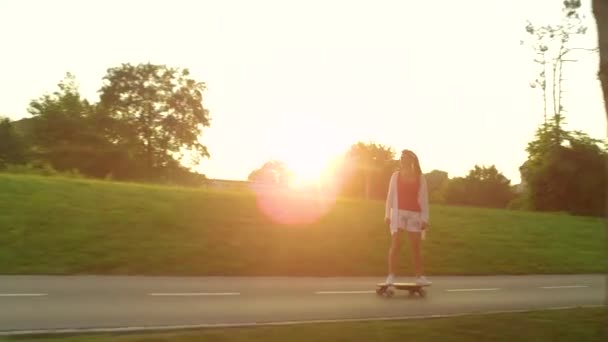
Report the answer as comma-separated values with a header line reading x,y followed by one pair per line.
x,y
482,187
65,131
552,46
272,173
157,115
565,171
12,146
456,192
600,12
567,175
367,170
437,183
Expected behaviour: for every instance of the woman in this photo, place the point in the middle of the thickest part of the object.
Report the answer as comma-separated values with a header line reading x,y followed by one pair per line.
x,y
407,210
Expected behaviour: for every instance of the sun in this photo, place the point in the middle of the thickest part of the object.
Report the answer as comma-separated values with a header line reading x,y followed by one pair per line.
x,y
307,170
308,148
313,168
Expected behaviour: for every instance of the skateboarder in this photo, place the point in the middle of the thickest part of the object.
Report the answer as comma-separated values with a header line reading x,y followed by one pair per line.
x,y
407,210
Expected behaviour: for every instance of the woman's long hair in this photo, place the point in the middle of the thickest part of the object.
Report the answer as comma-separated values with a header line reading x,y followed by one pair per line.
x,y
415,162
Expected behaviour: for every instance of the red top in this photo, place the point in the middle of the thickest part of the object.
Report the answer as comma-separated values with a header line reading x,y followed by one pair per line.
x,y
407,193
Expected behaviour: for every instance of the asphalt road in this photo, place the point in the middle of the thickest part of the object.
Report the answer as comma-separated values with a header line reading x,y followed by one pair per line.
x,y
85,302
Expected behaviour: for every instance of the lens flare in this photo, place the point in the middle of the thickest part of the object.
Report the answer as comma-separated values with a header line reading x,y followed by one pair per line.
x,y
293,206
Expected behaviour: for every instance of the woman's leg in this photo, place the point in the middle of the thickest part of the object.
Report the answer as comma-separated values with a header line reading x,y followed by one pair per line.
x,y
394,251
414,238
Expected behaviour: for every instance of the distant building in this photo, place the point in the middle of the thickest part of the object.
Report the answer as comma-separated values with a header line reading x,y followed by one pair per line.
x,y
226,184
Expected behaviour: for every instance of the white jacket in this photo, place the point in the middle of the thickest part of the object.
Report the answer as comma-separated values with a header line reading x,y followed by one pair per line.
x,y
392,203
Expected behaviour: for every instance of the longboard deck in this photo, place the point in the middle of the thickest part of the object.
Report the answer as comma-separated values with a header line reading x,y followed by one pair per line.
x,y
383,289
403,285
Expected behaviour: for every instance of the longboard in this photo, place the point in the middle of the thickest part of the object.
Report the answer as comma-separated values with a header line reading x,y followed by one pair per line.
x,y
413,288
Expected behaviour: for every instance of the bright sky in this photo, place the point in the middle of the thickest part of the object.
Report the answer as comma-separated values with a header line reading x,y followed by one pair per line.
x,y
303,80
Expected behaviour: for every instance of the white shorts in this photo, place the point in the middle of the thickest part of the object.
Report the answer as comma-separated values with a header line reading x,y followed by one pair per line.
x,y
409,220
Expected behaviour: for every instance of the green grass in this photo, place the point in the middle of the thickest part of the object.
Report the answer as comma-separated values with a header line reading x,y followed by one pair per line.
x,y
51,225
564,325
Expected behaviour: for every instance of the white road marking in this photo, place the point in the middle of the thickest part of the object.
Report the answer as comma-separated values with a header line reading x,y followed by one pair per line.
x,y
563,287
343,292
193,294
23,294
276,323
470,290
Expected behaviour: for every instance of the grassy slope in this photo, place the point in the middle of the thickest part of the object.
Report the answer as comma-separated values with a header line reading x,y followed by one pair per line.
x,y
564,325
61,226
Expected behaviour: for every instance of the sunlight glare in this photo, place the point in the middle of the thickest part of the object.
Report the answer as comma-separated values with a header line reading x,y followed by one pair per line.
x,y
309,148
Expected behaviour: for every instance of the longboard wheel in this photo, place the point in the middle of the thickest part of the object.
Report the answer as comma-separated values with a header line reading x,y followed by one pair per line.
x,y
389,293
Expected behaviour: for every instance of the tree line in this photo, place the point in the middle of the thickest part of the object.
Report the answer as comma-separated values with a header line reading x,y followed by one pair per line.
x,y
558,176
366,169
146,126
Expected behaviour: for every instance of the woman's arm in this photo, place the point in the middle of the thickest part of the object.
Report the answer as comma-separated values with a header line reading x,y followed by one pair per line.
x,y
389,198
423,200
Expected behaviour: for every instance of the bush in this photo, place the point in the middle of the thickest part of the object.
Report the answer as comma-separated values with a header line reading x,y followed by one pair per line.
x,y
482,187
38,168
520,202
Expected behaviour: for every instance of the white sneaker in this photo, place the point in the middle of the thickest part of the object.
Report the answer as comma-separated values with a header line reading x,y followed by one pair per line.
x,y
390,280
423,281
